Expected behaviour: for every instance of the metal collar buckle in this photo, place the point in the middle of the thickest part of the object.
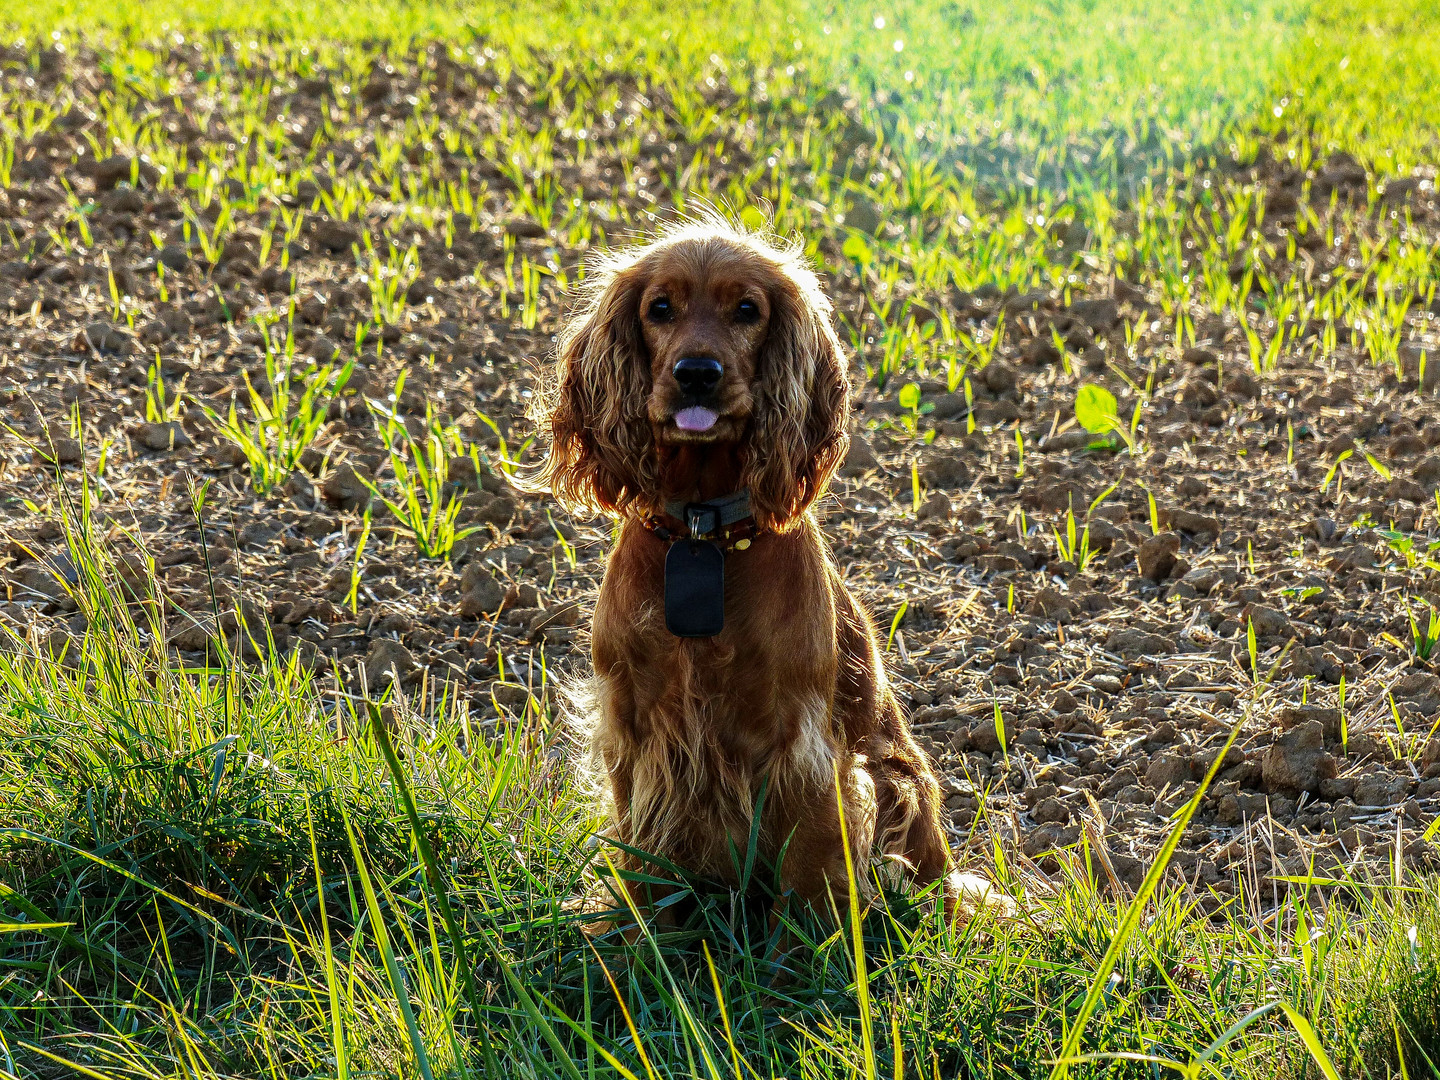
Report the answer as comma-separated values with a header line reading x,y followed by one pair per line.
x,y
701,519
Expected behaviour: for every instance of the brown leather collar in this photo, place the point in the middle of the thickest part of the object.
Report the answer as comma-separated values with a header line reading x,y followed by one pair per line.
x,y
725,522
734,537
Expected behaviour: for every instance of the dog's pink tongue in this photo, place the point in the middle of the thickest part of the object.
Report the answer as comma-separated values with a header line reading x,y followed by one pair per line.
x,y
695,418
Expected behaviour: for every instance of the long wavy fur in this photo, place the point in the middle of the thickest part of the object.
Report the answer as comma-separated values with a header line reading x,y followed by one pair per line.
x,y
602,447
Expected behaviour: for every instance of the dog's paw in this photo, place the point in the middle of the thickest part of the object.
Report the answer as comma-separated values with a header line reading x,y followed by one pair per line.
x,y
969,895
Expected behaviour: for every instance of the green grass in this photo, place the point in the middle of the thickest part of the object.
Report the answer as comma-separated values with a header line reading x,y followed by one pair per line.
x,y
1159,74
282,429
216,872
425,505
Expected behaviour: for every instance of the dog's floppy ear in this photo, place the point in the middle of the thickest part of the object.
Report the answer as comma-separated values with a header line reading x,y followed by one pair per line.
x,y
601,444
802,400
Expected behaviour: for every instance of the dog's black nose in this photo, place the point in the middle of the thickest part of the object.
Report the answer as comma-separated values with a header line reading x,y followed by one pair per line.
x,y
698,375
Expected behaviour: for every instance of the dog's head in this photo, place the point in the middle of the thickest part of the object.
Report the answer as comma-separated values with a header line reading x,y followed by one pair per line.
x,y
707,337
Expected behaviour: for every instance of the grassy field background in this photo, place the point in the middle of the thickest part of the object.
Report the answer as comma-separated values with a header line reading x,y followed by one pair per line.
x,y
1184,76
221,871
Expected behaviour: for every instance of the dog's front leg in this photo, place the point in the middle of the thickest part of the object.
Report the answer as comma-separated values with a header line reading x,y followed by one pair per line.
x,y
815,864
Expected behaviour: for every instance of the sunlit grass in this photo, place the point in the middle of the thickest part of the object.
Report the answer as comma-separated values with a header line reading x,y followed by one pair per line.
x,y
221,864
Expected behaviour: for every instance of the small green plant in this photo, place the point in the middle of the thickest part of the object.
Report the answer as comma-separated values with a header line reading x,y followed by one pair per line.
x,y
1344,715
895,623
389,277
1335,471
1264,357
425,505
1000,732
564,543
1096,412
504,462
351,597
1154,512
1423,641
530,301
160,406
1074,548
211,240
1404,545
1058,341
114,289
979,352
909,398
286,422
1400,543
80,215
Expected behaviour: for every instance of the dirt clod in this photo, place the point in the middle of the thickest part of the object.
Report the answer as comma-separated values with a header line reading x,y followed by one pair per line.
x,y
344,488
387,660
1298,760
481,592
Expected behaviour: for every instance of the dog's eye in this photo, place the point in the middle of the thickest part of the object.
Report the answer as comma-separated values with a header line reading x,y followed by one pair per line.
x,y
747,312
659,310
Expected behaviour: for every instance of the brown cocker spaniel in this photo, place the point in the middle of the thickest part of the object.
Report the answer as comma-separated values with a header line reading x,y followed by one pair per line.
x,y
702,369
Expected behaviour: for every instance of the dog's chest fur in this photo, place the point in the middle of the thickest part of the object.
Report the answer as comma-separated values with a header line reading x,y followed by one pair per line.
x,y
691,731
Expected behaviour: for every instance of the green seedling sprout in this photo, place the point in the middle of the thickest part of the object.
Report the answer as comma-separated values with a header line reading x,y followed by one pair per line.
x,y
560,539
909,398
1334,470
1402,544
161,408
895,623
1095,411
1154,510
1074,549
1252,648
424,504
1344,716
1423,642
286,422
1000,732
351,598
114,289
